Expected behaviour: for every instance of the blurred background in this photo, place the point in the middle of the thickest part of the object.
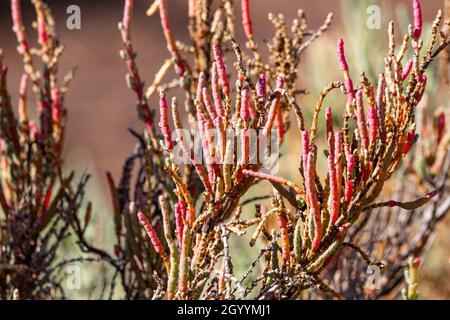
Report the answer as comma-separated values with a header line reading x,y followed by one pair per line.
x,y
101,107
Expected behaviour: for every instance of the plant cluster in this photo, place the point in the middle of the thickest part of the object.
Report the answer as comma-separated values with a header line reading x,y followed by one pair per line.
x,y
203,204
39,202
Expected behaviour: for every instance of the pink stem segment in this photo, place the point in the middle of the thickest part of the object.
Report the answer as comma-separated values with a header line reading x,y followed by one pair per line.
x,y
127,14
372,119
314,210
245,104
361,118
285,249
344,67
222,70
164,122
273,108
441,124
246,20
409,142
180,216
216,91
261,90
151,233
418,23
334,197
56,106
407,69
348,191
380,106
330,131
170,39
305,151
16,12
338,157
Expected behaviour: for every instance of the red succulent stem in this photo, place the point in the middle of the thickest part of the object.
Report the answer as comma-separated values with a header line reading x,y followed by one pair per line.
x,y
180,216
407,69
409,142
222,71
164,122
245,117
22,109
285,248
305,151
268,177
350,158
344,68
210,166
245,147
280,123
273,108
423,79
261,89
127,14
214,111
330,131
202,124
245,105
18,27
42,29
216,91
361,119
208,104
350,165
246,19
180,64
252,110
135,81
47,198
334,197
151,233
380,106
338,157
441,124
56,106
34,131
311,194
372,119
348,191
